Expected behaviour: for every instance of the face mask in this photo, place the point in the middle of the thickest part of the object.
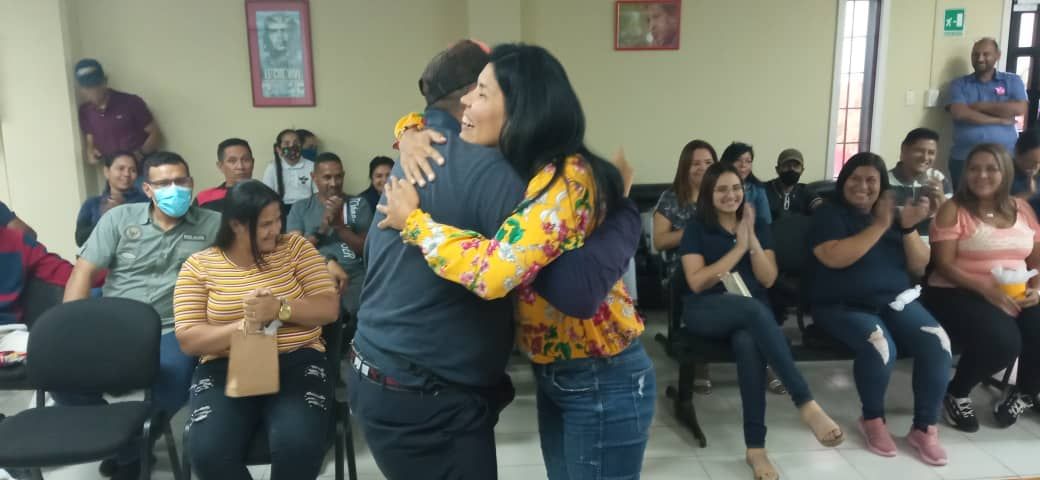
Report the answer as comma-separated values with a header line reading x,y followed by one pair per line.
x,y
173,200
291,153
790,177
309,153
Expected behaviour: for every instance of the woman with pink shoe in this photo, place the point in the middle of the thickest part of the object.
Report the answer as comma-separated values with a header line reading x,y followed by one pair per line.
x,y
864,252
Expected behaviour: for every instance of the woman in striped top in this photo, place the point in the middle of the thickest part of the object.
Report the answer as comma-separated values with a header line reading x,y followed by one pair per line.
x,y
249,278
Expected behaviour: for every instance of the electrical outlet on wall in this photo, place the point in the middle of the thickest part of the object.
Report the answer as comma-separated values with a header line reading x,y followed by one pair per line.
x,y
911,97
932,97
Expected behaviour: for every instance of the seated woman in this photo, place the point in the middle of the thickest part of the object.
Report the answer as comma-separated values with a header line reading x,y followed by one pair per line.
x,y
250,277
675,207
120,174
724,236
863,257
741,156
982,228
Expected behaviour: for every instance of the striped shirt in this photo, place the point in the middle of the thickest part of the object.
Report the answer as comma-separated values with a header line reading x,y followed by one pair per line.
x,y
211,289
981,247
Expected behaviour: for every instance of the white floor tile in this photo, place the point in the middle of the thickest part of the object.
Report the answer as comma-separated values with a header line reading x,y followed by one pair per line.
x,y
672,468
875,467
1022,458
969,461
820,464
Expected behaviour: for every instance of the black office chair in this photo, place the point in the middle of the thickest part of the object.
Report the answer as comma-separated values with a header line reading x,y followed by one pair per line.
x,y
37,297
340,434
109,345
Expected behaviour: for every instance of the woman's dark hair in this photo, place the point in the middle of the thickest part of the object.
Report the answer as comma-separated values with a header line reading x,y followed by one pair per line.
x,y
378,162
707,214
303,134
861,159
278,159
545,123
681,184
111,159
734,151
243,204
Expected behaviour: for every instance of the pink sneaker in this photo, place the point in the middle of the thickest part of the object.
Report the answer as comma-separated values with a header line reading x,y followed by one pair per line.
x,y
878,439
927,445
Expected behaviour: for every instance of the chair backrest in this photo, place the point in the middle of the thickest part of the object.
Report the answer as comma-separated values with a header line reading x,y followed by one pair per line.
x,y
790,242
38,297
95,345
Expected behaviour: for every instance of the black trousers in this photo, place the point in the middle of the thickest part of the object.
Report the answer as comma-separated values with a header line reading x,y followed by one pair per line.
x,y
989,338
446,433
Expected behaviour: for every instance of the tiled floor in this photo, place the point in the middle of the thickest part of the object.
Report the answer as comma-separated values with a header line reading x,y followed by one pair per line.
x,y
672,453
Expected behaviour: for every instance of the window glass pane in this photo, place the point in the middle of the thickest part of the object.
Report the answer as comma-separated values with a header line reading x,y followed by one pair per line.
x,y
850,15
859,55
843,93
862,20
855,90
839,158
850,150
1022,68
846,55
852,125
841,126
1025,30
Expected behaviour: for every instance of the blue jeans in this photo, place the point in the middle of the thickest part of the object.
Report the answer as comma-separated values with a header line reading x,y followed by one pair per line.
x,y
169,393
756,340
594,415
873,335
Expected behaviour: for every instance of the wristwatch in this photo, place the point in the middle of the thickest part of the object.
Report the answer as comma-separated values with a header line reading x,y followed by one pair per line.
x,y
285,311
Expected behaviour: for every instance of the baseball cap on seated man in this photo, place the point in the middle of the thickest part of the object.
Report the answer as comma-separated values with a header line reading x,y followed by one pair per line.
x,y
790,155
452,69
89,73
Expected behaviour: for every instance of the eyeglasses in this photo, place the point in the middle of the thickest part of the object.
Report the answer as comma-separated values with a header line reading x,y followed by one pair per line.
x,y
180,182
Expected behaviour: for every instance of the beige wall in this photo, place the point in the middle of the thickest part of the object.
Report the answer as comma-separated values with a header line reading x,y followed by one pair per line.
x,y
921,57
40,172
747,70
190,62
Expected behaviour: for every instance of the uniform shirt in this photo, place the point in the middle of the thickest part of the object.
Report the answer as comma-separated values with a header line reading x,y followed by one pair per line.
x,y
295,178
91,211
872,281
305,217
143,260
713,242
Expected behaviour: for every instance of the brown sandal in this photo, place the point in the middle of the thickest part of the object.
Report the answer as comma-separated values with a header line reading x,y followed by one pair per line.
x,y
827,432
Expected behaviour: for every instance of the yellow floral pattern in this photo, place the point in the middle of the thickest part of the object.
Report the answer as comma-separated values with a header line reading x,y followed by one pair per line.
x,y
539,230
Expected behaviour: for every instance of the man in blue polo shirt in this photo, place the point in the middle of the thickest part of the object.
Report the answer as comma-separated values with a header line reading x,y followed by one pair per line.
x,y
984,105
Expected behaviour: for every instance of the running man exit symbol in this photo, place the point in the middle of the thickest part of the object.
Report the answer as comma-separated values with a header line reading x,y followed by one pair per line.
x,y
953,22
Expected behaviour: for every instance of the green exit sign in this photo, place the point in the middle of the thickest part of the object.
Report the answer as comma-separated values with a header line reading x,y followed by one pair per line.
x,y
953,22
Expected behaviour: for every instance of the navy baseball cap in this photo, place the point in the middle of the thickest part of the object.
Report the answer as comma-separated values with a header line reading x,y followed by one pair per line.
x,y
89,73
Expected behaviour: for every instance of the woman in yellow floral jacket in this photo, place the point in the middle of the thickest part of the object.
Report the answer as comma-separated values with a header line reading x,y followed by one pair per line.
x,y
596,384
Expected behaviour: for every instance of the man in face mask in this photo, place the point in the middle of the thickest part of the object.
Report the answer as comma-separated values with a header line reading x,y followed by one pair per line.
x,y
787,196
142,245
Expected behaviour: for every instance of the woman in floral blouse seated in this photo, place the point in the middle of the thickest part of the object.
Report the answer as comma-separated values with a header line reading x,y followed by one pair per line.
x,y
596,384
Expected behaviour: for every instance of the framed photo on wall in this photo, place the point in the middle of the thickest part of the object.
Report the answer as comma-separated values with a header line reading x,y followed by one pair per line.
x,y
279,35
647,24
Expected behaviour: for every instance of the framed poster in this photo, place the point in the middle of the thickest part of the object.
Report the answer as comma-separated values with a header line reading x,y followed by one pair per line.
x,y
647,24
279,35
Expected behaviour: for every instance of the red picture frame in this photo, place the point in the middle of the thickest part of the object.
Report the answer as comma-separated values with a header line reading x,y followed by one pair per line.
x,y
280,64
640,26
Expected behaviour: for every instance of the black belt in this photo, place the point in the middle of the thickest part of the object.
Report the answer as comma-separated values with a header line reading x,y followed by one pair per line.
x,y
373,373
